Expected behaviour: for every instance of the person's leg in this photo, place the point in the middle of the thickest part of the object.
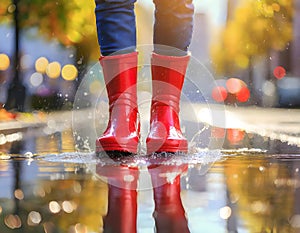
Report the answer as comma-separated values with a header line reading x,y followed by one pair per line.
x,y
173,26
117,39
172,36
116,26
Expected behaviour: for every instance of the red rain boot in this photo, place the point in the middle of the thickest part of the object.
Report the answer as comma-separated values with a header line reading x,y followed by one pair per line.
x,y
122,198
168,73
122,132
169,214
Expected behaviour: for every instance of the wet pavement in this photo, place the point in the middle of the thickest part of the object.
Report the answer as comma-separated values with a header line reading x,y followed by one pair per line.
x,y
251,184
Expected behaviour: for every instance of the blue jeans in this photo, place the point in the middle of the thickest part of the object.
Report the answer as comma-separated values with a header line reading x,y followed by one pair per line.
x,y
116,26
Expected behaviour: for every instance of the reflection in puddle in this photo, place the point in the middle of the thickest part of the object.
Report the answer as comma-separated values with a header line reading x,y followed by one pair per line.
x,y
48,197
241,192
263,192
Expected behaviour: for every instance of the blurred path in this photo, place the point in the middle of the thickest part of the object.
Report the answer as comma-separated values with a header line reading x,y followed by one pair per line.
x,y
280,124
275,123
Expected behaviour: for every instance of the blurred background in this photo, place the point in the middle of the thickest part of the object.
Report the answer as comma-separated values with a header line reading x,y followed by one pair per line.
x,y
252,48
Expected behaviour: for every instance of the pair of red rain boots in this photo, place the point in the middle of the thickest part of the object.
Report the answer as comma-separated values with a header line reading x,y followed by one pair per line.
x,y
123,130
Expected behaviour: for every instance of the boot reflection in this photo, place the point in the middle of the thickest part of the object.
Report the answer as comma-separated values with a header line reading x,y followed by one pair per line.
x,y
122,198
169,214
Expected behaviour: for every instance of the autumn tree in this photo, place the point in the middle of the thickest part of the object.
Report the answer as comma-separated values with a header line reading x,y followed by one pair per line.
x,y
71,22
255,28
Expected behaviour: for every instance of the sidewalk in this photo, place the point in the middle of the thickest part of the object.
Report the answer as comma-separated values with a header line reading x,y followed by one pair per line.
x,y
280,124
275,123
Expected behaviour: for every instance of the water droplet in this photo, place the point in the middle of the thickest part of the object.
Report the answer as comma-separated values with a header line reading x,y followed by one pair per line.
x,y
128,178
79,62
28,154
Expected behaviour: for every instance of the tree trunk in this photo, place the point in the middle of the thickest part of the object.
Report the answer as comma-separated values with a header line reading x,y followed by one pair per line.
x,y
295,53
16,92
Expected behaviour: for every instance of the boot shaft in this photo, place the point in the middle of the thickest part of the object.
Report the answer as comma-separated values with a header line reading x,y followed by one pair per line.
x,y
168,74
120,76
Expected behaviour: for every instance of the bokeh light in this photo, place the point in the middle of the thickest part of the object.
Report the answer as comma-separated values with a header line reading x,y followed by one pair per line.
x,y
279,72
34,218
68,207
69,72
225,212
95,87
219,93
53,70
276,7
19,194
259,207
217,132
235,136
39,192
13,221
36,79
269,88
234,85
26,61
4,62
11,8
41,65
243,95
54,207
80,228
242,61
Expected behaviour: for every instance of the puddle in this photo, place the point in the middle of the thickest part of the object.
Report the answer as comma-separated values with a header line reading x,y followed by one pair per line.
x,y
251,185
240,192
